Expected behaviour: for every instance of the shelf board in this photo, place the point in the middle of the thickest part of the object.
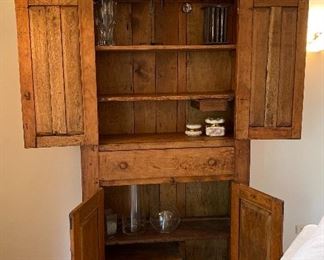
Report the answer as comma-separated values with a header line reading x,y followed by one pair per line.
x,y
227,95
160,141
162,251
131,48
194,229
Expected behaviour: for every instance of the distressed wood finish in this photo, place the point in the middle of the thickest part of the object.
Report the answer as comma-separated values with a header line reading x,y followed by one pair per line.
x,y
90,171
53,82
87,229
256,224
277,82
130,165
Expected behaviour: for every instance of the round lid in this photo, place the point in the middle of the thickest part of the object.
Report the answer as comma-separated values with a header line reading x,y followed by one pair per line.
x,y
214,121
193,126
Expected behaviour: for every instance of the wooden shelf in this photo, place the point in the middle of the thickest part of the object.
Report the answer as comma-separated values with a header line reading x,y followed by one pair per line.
x,y
163,251
227,95
132,48
160,141
194,229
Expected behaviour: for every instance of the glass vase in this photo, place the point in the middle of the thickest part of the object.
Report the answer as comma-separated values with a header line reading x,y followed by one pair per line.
x,y
105,19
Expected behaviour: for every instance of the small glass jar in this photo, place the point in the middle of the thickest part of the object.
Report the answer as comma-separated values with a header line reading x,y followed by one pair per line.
x,y
215,127
193,130
111,223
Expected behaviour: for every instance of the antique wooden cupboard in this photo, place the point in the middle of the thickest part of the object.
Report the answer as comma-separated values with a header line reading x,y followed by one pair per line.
x,y
126,106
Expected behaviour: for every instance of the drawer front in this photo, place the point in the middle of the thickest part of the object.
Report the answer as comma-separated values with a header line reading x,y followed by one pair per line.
x,y
168,163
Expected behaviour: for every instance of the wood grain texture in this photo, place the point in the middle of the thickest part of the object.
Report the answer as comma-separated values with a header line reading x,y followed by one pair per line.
x,y
87,229
210,105
272,81
189,229
270,133
26,73
158,251
58,140
90,171
274,3
52,2
243,69
127,165
141,70
256,227
287,66
72,69
41,77
207,199
88,72
160,141
170,180
300,68
242,161
166,47
261,20
56,75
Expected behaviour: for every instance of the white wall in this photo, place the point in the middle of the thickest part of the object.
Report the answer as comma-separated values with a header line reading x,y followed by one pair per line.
x,y
38,188
294,170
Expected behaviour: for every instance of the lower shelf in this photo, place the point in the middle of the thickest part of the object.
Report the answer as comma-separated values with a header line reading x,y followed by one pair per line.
x,y
193,229
145,252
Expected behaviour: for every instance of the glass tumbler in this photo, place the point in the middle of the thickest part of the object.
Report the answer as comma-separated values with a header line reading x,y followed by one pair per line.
x,y
105,19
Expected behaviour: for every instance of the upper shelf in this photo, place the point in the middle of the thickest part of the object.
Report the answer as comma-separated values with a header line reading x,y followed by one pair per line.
x,y
166,47
228,95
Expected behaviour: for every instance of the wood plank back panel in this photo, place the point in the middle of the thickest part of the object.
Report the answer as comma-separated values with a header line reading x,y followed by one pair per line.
x,y
275,94
256,225
55,85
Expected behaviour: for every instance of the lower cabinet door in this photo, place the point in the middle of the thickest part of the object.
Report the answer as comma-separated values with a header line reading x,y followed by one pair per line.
x,y
87,229
256,224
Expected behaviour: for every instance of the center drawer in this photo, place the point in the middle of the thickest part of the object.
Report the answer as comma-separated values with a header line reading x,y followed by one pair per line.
x,y
168,164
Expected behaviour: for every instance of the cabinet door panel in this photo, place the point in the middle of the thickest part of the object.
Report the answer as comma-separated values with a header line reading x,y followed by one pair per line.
x,y
87,229
271,64
57,72
256,225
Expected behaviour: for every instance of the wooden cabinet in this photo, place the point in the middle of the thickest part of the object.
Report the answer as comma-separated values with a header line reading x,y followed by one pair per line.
x,y
255,230
57,72
271,68
127,106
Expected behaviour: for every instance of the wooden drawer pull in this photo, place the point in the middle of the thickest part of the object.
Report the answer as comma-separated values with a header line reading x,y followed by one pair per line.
x,y
212,162
123,165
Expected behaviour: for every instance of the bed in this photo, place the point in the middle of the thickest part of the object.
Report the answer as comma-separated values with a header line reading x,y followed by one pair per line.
x,y
308,245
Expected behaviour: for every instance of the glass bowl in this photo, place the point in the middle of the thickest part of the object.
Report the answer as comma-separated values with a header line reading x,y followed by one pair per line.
x,y
165,221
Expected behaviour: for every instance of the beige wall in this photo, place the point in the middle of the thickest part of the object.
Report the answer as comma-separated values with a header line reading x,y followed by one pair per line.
x,y
294,170
38,188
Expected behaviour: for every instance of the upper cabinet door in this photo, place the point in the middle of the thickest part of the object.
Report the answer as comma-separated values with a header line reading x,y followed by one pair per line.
x,y
87,229
256,225
270,68
57,72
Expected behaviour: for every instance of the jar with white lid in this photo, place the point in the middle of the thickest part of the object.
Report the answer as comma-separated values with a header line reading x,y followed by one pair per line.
x,y
215,126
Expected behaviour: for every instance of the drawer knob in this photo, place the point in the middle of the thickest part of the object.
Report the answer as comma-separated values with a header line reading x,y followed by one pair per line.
x,y
212,162
123,165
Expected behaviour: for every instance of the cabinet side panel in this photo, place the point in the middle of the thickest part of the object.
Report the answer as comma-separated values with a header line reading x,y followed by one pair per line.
x,y
26,74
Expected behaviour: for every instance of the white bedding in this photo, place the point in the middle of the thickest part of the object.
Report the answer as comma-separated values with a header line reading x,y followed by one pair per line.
x,y
308,245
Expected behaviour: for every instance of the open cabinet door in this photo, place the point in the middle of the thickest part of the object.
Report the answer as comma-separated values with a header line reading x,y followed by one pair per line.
x,y
87,229
57,72
256,225
271,53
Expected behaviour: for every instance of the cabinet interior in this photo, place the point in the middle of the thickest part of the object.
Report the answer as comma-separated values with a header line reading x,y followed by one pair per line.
x,y
159,68
204,229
